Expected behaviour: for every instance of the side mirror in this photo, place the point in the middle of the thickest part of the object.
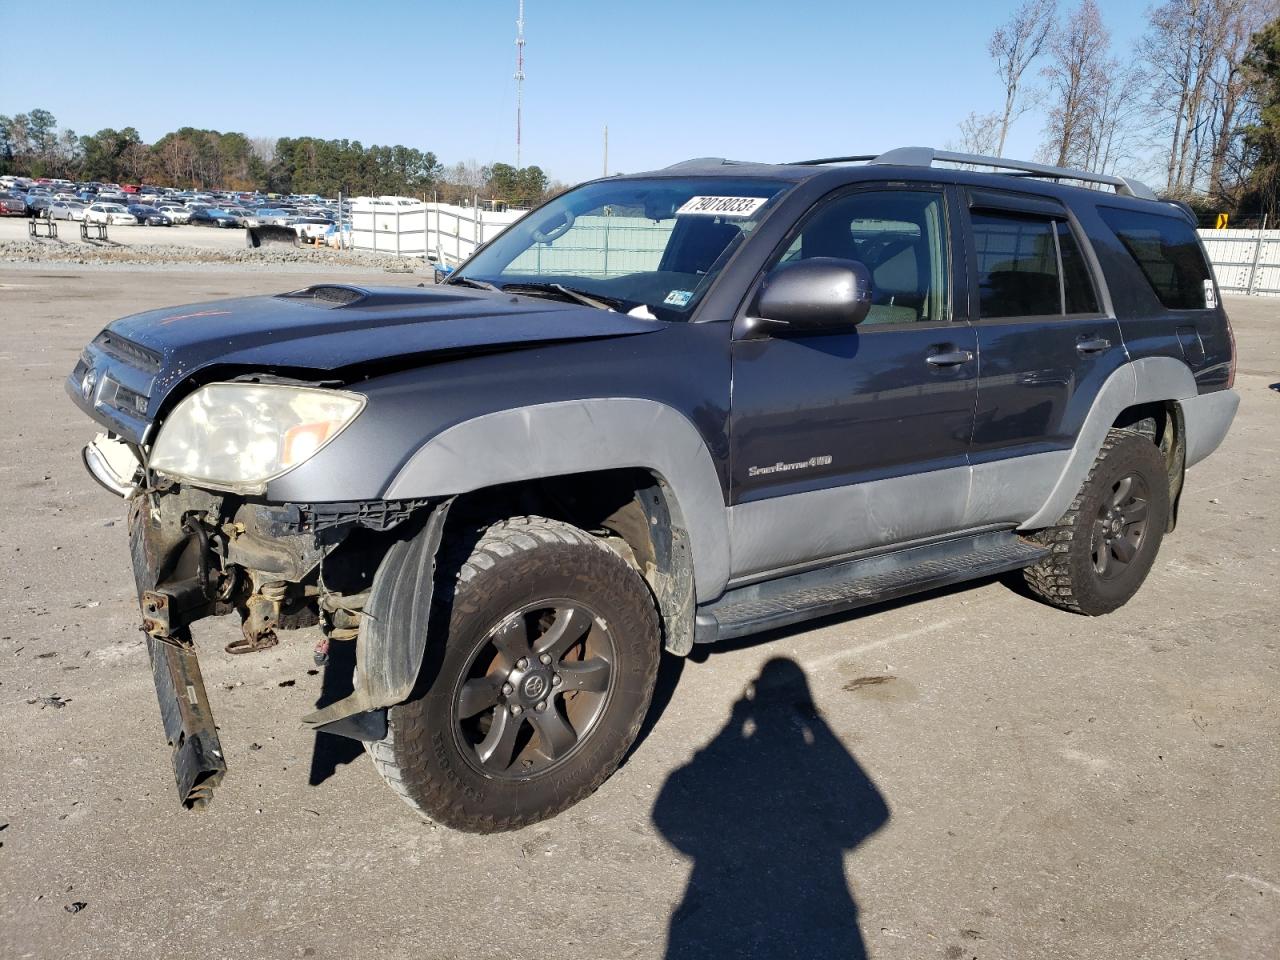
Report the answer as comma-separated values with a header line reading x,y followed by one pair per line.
x,y
818,295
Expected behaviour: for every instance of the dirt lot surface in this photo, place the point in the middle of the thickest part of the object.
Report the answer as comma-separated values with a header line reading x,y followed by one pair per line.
x,y
970,774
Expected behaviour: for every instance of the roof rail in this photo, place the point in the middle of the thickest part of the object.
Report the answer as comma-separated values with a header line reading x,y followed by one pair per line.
x,y
927,156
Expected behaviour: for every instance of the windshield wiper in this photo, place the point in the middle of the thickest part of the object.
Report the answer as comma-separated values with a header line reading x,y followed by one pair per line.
x,y
478,284
577,296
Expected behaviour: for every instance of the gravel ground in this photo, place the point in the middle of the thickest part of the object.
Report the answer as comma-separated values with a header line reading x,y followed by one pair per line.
x,y
968,774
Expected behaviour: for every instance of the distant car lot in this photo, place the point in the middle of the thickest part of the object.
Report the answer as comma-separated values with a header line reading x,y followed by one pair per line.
x,y
15,228
314,219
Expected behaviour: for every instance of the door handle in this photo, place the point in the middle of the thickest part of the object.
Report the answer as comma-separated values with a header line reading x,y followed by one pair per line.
x,y
1093,345
949,358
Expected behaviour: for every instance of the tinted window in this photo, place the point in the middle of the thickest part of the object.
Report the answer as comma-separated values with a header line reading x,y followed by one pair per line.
x,y
1077,286
1166,250
1017,265
901,238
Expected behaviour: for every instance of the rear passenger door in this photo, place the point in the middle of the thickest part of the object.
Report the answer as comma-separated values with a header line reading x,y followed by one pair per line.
x,y
1045,343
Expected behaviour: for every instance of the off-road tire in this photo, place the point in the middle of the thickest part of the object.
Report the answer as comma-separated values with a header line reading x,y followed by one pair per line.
x,y
515,562
1067,578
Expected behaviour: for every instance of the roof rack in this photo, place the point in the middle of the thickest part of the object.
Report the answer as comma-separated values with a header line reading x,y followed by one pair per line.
x,y
927,156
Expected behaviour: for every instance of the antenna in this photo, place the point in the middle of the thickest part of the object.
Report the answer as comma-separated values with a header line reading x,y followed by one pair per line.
x,y
519,76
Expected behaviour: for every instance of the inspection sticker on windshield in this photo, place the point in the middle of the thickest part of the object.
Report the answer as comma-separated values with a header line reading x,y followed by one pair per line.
x,y
679,298
722,206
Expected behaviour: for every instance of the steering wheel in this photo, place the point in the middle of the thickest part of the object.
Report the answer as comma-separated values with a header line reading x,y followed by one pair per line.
x,y
541,235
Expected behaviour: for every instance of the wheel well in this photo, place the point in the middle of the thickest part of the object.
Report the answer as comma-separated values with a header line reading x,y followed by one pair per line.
x,y
633,510
1161,422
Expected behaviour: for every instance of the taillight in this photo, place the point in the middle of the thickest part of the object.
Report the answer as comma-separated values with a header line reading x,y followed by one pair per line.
x,y
1231,339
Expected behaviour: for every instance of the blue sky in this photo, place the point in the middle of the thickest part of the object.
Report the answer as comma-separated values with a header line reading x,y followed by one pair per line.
x,y
673,80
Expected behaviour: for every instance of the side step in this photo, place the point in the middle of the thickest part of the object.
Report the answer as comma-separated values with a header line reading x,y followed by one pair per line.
x,y
856,583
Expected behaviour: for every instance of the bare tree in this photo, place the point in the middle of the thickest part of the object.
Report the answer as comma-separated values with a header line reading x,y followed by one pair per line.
x,y
1230,108
1076,77
980,133
1013,47
1114,121
264,148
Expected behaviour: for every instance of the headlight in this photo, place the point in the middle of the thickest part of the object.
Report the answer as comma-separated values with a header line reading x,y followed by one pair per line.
x,y
237,436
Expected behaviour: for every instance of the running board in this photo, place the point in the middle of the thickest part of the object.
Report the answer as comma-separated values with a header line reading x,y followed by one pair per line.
x,y
857,583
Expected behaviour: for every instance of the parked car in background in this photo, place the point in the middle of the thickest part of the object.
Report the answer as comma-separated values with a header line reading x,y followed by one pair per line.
x,y
67,210
274,217
176,212
214,217
38,203
242,214
112,213
12,206
312,229
149,216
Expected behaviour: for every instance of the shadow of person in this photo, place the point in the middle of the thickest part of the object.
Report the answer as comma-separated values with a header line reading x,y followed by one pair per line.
x,y
767,812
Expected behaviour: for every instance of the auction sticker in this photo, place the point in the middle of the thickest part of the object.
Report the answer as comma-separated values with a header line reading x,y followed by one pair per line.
x,y
722,206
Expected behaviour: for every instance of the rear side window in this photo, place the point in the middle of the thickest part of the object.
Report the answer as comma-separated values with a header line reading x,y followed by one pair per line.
x,y
1077,288
1166,251
1029,266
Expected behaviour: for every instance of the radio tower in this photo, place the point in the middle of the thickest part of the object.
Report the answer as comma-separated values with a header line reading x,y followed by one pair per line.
x,y
519,76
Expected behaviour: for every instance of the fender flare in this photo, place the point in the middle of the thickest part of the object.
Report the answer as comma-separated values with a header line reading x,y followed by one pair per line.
x,y
1147,380
581,436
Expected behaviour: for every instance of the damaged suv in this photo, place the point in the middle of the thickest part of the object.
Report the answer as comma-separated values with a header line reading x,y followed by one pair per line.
x,y
660,410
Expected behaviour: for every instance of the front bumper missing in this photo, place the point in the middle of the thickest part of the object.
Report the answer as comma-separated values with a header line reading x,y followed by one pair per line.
x,y
171,548
198,764
195,556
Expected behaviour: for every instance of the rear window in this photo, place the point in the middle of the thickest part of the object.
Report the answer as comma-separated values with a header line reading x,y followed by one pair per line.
x,y
1166,250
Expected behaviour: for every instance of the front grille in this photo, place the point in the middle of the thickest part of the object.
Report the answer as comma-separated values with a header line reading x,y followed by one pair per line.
x,y
129,352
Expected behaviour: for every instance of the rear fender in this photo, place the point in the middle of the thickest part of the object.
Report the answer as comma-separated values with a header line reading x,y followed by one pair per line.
x,y
1148,380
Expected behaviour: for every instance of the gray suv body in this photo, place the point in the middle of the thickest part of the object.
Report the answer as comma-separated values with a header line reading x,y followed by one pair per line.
x,y
660,410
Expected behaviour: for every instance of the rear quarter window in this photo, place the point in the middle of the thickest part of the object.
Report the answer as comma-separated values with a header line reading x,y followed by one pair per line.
x,y
1168,254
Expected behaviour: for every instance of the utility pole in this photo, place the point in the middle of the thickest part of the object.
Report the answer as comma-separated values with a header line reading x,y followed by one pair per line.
x,y
606,149
519,76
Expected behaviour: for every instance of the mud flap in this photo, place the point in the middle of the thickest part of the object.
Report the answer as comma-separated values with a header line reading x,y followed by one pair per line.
x,y
269,235
388,662
198,764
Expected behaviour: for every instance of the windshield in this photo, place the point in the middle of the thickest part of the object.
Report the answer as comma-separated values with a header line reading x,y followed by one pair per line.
x,y
653,246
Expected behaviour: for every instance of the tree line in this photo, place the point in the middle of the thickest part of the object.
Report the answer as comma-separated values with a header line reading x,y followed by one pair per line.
x,y
32,144
1194,103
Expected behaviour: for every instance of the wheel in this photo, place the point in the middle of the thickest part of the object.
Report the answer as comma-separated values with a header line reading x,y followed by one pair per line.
x,y
544,648
1104,545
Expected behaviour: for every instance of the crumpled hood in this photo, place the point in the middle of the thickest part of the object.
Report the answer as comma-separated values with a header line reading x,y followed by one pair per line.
x,y
315,329
329,328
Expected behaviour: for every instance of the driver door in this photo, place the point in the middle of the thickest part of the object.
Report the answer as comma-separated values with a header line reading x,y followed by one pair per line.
x,y
845,441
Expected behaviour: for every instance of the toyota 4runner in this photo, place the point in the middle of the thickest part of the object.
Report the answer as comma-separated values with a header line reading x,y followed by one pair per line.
x,y
660,410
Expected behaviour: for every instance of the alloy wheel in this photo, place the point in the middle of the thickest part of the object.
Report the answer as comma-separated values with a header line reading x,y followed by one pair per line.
x,y
535,689
1120,528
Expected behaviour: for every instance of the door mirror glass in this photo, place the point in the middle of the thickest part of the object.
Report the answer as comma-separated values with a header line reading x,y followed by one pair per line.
x,y
818,295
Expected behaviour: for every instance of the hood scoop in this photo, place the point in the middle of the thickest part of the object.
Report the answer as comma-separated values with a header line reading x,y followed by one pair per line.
x,y
335,295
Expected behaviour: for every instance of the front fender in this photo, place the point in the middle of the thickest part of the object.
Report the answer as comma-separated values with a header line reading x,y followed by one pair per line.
x,y
581,436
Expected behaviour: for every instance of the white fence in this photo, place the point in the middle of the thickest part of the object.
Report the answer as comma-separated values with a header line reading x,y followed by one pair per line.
x,y
429,231
1245,261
